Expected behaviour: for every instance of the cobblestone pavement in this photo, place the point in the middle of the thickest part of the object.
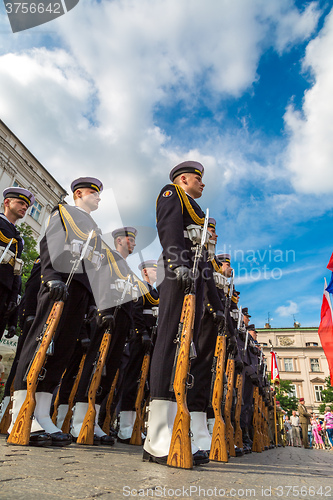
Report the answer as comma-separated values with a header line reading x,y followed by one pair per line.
x,y
82,472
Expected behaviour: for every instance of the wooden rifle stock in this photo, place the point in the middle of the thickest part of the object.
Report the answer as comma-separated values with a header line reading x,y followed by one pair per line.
x,y
256,437
238,430
218,450
228,407
86,435
67,420
6,418
180,452
138,424
21,430
107,420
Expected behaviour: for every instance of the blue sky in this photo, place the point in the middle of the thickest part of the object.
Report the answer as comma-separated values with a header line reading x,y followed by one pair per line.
x,y
125,90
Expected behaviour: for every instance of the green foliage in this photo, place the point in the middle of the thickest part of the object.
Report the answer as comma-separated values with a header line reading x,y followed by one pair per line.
x,y
283,391
327,396
29,254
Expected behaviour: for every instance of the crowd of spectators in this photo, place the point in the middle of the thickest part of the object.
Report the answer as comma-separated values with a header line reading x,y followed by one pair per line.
x,y
320,431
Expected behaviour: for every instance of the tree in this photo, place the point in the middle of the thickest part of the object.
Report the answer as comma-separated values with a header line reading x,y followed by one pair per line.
x,y
327,396
283,394
29,254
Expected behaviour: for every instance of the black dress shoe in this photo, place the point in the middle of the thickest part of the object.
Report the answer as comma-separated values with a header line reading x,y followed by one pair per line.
x,y
40,438
113,432
147,457
97,440
107,440
200,457
124,441
61,439
239,451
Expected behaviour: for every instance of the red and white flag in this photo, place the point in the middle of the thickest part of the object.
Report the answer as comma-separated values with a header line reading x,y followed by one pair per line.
x,y
325,329
275,376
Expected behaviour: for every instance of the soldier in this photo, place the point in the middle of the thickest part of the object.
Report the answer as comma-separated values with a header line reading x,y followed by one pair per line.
x,y
16,203
198,397
68,227
304,420
113,271
251,379
144,320
176,211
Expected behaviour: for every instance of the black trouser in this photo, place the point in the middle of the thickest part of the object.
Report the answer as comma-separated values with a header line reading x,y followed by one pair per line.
x,y
64,339
171,303
132,374
201,367
247,406
4,294
118,339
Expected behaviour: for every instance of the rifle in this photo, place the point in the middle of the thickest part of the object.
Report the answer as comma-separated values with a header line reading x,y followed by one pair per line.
x,y
238,431
218,450
6,418
256,437
107,420
228,406
180,452
136,438
21,430
67,420
138,424
86,435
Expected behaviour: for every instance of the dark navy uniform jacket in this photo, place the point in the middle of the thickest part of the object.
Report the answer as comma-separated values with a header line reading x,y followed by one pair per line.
x,y
7,278
67,223
175,211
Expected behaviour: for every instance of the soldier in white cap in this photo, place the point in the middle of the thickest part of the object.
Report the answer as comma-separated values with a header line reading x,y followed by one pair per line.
x,y
145,315
16,202
176,210
67,230
114,272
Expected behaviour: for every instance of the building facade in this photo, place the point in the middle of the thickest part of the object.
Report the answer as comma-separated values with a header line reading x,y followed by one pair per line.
x,y
301,360
19,167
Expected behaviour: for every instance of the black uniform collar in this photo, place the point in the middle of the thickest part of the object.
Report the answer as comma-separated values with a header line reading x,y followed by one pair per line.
x,y
4,217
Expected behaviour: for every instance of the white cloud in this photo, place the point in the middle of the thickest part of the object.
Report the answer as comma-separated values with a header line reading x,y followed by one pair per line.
x,y
310,152
87,102
289,310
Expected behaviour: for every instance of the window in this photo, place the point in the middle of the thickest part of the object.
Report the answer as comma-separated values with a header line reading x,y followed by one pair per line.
x,y
314,362
16,184
36,210
288,365
318,389
313,344
293,391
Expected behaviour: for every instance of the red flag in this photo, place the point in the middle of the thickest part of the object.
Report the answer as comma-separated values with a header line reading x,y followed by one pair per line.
x,y
330,264
275,376
325,329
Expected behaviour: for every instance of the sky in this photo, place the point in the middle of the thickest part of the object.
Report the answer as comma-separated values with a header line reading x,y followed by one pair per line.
x,y
124,90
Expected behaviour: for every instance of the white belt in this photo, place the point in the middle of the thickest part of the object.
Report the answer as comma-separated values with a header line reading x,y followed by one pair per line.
x,y
148,311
